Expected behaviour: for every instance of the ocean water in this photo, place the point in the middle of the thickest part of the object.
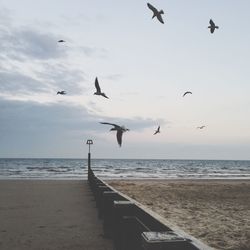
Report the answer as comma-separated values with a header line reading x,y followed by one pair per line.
x,y
123,169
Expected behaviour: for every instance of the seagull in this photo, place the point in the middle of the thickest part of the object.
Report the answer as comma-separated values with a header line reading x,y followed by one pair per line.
x,y
61,41
156,13
61,92
157,131
98,89
187,92
120,130
212,26
201,127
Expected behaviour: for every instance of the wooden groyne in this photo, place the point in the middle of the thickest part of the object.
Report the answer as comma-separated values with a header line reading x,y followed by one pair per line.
x,y
132,226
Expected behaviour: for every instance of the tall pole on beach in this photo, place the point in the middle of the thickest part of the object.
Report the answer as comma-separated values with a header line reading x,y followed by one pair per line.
x,y
89,142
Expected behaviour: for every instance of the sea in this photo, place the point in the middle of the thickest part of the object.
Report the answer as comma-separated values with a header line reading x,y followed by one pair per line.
x,y
123,169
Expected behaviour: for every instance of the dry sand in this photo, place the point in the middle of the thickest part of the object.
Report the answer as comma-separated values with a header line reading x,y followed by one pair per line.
x,y
49,215
214,211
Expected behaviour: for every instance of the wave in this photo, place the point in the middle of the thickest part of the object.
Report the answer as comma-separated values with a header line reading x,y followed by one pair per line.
x,y
122,169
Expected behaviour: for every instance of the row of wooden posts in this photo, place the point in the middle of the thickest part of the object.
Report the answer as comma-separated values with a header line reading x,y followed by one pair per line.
x,y
130,226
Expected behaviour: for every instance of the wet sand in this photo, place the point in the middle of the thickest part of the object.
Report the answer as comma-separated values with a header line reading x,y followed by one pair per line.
x,y
49,215
214,211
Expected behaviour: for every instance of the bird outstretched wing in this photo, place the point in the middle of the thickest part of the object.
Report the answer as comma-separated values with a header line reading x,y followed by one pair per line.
x,y
211,22
103,94
119,137
201,127
112,124
150,6
97,86
157,131
187,92
61,92
159,17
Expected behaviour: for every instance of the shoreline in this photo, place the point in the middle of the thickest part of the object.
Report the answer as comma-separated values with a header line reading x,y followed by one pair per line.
x,y
123,179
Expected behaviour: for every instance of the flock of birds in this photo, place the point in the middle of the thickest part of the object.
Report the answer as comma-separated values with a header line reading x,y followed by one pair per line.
x,y
121,129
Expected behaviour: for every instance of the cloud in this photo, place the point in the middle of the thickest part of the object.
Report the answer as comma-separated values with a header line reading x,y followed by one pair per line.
x,y
45,79
58,77
33,62
30,129
92,51
29,44
39,120
5,16
113,77
18,83
20,116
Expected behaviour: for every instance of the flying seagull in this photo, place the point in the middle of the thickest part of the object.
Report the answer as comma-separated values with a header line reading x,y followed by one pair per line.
x,y
212,26
156,13
120,130
201,127
61,41
187,92
157,131
98,89
61,92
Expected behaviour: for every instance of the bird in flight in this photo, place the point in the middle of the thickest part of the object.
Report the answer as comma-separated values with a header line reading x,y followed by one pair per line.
x,y
120,130
156,13
61,92
61,41
187,92
98,89
157,130
212,26
201,127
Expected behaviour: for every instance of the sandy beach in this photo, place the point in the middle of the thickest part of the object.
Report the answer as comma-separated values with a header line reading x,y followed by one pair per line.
x,y
51,215
214,211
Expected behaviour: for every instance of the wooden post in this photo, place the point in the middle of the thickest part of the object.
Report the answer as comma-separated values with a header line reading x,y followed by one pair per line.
x,y
121,209
89,165
89,142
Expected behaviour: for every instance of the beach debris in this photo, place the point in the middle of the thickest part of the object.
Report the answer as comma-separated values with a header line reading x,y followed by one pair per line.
x,y
157,130
201,127
61,92
120,130
212,26
98,89
187,92
156,13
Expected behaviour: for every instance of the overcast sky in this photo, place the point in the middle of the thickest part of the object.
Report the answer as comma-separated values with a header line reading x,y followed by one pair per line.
x,y
142,65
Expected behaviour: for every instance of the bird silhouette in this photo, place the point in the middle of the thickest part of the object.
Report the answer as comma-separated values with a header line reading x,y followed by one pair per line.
x,y
156,13
187,92
120,130
201,127
157,130
98,89
61,92
212,26
61,41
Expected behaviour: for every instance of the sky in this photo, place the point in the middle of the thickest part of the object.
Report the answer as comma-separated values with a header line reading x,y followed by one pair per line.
x,y
143,66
